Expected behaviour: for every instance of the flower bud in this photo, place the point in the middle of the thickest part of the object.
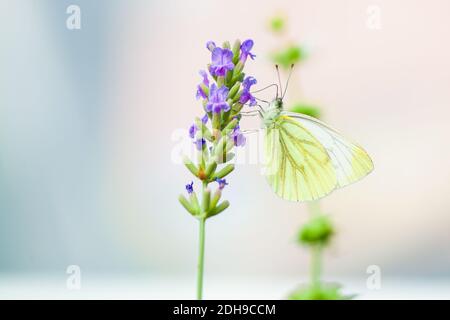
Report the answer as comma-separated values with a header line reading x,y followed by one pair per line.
x,y
234,89
236,51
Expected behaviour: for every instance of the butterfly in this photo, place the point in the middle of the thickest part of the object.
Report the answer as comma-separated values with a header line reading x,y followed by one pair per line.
x,y
306,159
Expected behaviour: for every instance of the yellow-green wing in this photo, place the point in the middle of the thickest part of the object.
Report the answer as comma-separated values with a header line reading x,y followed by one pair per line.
x,y
297,166
350,161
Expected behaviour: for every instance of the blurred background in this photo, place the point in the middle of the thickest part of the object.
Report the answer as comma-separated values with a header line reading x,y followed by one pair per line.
x,y
89,120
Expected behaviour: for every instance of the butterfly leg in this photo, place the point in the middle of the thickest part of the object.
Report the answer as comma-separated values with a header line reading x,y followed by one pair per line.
x,y
246,132
250,113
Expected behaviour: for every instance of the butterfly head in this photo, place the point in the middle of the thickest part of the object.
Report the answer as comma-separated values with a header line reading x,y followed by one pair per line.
x,y
277,104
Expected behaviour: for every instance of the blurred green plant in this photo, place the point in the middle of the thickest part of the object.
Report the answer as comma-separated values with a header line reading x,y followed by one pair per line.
x,y
289,55
308,109
316,234
277,24
326,291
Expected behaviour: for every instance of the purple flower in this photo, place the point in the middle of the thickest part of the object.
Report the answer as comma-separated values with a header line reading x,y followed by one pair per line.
x,y
238,137
192,131
190,187
246,46
222,183
200,93
221,61
205,118
199,143
210,45
217,99
246,96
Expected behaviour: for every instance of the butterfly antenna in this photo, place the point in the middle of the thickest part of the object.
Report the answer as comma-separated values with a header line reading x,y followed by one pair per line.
x,y
287,82
279,79
272,85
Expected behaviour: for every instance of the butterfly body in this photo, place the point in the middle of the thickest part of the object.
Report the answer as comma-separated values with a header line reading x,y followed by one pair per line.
x,y
305,159
272,112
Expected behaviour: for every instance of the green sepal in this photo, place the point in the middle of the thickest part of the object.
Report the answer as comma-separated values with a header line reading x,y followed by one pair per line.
x,y
191,167
216,121
226,45
224,171
238,70
238,95
215,198
204,130
218,209
194,202
187,205
234,89
210,169
230,126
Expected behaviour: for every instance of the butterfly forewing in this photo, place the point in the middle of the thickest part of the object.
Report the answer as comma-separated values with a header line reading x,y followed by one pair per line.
x,y
350,161
297,166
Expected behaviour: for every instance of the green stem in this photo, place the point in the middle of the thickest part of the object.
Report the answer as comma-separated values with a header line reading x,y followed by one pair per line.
x,y
201,259
316,265
316,250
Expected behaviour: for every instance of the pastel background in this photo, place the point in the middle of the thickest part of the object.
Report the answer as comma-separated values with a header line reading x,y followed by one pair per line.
x,y
87,122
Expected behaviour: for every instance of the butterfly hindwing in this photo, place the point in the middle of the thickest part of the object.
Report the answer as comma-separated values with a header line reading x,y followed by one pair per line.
x,y
297,166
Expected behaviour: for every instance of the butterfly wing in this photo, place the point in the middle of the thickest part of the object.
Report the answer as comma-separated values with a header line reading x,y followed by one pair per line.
x,y
350,161
297,166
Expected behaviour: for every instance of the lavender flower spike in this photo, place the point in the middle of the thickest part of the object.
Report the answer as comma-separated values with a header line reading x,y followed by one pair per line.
x,y
217,99
221,61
